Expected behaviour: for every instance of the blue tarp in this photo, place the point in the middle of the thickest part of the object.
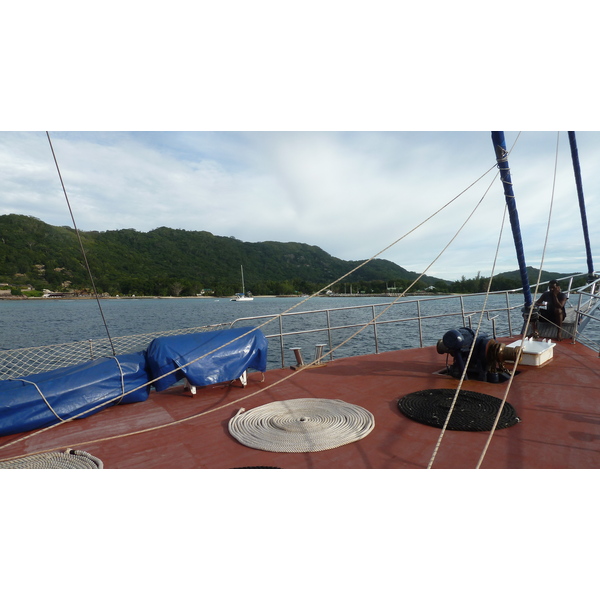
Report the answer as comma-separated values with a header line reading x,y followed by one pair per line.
x,y
229,363
70,391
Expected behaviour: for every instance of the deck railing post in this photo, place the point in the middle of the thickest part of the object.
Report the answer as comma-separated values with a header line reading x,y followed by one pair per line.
x,y
510,330
577,317
425,319
282,350
493,320
420,323
329,334
375,330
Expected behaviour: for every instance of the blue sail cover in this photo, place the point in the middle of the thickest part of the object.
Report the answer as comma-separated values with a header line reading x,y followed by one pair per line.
x,y
71,391
579,184
502,159
168,353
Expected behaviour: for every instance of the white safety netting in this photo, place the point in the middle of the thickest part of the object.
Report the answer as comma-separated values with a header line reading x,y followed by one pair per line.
x,y
25,361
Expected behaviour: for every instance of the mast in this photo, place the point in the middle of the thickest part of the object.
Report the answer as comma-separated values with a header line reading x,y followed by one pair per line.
x,y
577,172
243,287
502,159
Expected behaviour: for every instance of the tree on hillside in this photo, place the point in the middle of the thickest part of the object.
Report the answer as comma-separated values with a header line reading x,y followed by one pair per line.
x,y
176,288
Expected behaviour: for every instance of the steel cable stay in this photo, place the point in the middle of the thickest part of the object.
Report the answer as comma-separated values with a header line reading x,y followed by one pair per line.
x,y
294,373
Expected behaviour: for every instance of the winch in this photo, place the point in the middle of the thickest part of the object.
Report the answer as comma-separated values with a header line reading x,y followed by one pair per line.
x,y
487,360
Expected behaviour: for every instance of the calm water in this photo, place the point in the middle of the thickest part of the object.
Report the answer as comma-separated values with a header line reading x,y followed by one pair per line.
x,y
29,323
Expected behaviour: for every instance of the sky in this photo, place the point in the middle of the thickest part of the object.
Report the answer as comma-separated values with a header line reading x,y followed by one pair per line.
x,y
343,129
350,193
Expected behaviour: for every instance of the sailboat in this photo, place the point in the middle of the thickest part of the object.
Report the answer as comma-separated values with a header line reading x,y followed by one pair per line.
x,y
243,297
475,400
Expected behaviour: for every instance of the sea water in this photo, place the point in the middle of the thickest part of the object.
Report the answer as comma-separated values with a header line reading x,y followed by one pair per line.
x,y
41,322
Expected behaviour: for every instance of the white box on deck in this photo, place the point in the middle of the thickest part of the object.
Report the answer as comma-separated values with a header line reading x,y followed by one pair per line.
x,y
535,352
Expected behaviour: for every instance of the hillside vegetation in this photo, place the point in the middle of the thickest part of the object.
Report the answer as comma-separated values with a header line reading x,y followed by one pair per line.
x,y
172,262
177,262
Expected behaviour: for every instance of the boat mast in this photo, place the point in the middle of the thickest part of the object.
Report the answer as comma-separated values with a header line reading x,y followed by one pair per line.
x,y
577,172
502,159
243,287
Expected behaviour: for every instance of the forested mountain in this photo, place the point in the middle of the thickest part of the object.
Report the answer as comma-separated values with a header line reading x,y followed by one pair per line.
x,y
532,274
174,261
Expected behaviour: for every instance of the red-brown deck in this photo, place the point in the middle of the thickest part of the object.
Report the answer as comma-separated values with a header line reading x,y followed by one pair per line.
x,y
558,404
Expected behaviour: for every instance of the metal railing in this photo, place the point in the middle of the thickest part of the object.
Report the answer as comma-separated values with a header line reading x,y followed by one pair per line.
x,y
503,313
587,307
505,316
423,309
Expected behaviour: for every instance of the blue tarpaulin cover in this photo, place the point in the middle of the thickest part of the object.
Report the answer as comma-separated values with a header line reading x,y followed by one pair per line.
x,y
227,364
70,391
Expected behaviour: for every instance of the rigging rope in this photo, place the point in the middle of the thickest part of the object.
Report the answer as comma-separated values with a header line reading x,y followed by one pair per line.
x,y
471,350
530,312
87,266
293,373
36,386
520,348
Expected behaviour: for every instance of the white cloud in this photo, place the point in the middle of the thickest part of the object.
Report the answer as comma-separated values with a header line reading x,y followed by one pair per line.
x,y
352,194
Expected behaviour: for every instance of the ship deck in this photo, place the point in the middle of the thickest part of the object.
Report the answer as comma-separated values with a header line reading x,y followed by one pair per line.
x,y
557,404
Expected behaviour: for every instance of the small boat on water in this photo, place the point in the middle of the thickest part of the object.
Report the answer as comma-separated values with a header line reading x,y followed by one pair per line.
x,y
474,400
242,297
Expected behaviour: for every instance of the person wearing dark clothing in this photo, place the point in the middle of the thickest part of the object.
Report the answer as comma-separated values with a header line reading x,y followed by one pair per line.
x,y
554,308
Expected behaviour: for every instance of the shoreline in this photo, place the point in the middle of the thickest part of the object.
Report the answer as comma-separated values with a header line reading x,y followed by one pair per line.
x,y
81,297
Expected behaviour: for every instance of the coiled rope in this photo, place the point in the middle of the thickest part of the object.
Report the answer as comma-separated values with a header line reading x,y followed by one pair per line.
x,y
301,425
70,459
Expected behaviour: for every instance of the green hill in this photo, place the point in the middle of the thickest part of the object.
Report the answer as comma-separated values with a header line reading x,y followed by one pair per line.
x,y
532,274
174,261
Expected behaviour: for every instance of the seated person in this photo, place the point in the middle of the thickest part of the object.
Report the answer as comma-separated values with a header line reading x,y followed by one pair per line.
x,y
554,310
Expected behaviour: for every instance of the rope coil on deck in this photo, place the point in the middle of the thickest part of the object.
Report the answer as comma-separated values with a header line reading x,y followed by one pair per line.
x,y
69,459
473,411
301,425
